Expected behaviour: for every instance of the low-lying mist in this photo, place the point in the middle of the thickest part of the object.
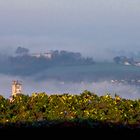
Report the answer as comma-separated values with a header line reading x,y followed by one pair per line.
x,y
101,87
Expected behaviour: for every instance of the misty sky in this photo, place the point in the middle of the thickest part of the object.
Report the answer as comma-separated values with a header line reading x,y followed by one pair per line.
x,y
98,28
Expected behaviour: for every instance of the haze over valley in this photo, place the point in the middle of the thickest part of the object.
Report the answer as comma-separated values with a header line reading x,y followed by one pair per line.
x,y
67,72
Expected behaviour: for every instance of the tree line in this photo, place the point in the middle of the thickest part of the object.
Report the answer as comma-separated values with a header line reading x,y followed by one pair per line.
x,y
41,107
23,63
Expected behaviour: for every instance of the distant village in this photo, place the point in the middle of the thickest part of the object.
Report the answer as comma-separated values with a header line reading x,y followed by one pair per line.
x,y
52,54
126,61
135,82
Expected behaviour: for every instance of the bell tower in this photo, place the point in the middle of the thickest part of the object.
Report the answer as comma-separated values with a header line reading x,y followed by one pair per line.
x,y
16,88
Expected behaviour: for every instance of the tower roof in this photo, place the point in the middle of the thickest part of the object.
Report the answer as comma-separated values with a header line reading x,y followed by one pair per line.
x,y
16,82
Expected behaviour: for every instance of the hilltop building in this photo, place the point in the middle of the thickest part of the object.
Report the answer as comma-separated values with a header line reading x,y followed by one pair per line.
x,y
16,88
47,55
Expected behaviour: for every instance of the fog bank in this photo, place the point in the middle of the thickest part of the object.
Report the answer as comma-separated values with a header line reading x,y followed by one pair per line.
x,y
59,87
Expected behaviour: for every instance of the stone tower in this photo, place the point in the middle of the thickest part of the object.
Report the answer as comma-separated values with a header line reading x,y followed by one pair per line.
x,y
16,88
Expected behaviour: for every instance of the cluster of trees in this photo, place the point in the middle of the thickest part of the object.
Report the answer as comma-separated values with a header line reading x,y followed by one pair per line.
x,y
40,107
24,63
126,61
123,59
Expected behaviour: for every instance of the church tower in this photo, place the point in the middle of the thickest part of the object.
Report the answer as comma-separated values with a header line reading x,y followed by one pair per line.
x,y
16,88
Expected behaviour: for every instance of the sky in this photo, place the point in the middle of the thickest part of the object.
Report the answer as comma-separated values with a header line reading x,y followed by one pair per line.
x,y
97,28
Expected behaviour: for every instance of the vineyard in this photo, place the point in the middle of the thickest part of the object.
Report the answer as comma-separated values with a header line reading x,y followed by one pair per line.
x,y
86,110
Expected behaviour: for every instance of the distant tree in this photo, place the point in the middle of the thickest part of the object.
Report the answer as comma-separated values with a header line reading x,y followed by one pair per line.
x,y
22,51
117,59
122,59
